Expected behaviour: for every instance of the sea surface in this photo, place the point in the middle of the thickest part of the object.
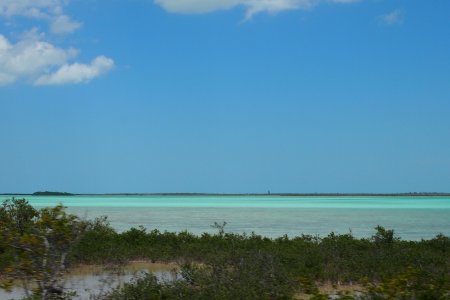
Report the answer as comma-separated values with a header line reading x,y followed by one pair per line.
x,y
412,218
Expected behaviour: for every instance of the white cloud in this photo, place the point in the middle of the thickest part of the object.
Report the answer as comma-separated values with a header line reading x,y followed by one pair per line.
x,y
32,58
392,18
252,6
77,73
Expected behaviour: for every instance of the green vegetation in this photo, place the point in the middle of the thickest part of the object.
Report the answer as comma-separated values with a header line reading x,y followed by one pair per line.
x,y
234,266
34,247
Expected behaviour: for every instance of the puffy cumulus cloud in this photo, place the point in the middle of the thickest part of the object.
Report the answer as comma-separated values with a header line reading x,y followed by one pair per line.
x,y
28,57
252,6
49,10
33,60
76,72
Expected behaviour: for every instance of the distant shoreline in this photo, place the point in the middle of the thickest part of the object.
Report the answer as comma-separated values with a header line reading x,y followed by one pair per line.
x,y
63,194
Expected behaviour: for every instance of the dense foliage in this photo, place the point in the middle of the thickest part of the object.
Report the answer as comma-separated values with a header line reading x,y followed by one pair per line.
x,y
34,247
235,266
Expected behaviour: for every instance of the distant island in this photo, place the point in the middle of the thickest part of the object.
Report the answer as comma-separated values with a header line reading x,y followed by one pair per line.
x,y
47,193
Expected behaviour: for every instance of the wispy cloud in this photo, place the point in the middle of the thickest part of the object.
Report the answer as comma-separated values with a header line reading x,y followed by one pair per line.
x,y
51,11
393,18
252,6
63,24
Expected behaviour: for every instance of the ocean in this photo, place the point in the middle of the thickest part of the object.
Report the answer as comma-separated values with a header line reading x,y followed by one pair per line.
x,y
412,218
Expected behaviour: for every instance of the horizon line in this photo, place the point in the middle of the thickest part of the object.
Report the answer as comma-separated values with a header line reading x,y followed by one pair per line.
x,y
52,193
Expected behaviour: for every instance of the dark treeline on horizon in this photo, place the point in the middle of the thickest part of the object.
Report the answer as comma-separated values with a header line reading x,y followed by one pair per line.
x,y
52,193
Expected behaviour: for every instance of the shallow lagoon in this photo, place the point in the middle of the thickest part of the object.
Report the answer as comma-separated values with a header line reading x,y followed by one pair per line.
x,y
412,218
90,284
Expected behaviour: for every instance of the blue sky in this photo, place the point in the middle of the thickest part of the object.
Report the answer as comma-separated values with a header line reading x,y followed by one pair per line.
x,y
225,96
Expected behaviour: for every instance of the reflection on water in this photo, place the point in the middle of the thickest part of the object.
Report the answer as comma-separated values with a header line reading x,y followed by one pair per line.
x,y
86,286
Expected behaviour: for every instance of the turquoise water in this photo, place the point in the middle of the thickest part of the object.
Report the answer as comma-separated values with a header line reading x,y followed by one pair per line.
x,y
411,217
